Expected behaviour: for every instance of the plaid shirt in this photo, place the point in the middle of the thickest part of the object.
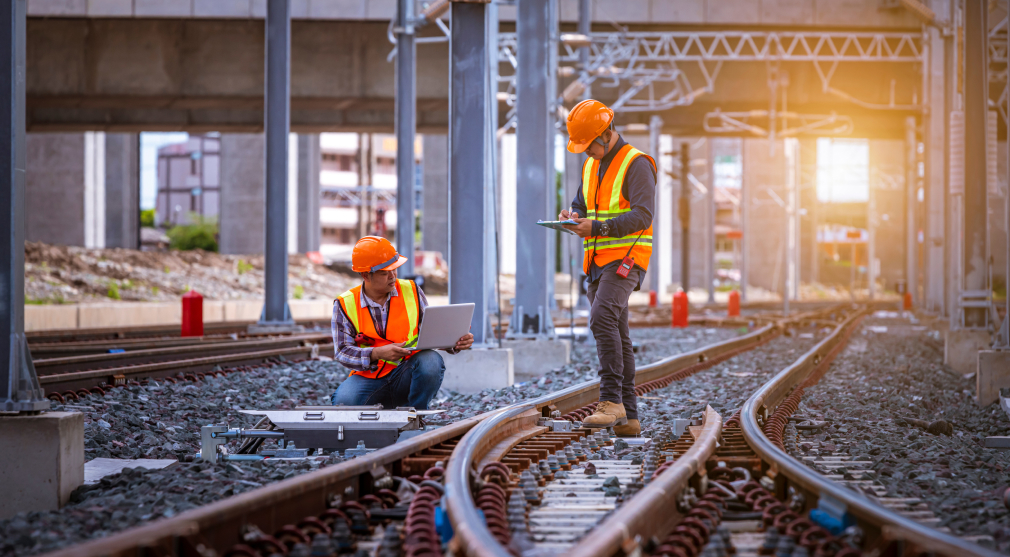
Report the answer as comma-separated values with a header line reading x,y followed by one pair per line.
x,y
345,349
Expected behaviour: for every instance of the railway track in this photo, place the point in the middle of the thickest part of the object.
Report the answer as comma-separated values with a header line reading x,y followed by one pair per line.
x,y
75,363
520,481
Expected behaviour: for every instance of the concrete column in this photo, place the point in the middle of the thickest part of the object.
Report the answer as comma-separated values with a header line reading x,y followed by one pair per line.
x,y
65,188
406,127
308,193
435,217
710,220
536,27
19,386
122,190
911,230
471,172
573,183
975,125
764,177
243,194
936,159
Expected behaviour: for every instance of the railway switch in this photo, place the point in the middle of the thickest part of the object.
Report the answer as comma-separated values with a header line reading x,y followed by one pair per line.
x,y
353,429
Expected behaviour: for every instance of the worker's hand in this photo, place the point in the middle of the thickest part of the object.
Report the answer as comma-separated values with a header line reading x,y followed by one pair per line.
x,y
464,342
389,352
565,214
584,228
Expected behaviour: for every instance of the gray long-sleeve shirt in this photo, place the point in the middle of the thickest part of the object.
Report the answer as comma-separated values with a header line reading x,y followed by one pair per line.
x,y
639,188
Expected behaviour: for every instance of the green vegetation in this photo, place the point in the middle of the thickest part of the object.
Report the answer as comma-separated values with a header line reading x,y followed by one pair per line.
x,y
185,288
54,299
244,267
127,284
167,269
299,292
155,290
113,291
147,218
202,234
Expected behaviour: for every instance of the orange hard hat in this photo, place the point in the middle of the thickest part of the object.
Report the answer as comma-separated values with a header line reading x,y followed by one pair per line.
x,y
373,253
586,122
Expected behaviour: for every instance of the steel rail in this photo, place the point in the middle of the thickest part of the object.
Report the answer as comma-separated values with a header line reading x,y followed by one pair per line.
x,y
219,525
649,512
474,537
59,382
150,331
173,353
875,519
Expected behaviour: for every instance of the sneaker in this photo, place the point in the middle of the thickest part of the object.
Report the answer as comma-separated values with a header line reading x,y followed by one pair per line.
x,y
607,414
632,429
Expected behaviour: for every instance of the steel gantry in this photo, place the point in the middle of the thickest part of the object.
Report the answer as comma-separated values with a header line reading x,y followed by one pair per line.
x,y
640,61
19,385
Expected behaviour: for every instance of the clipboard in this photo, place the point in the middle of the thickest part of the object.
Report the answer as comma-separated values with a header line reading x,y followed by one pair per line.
x,y
557,225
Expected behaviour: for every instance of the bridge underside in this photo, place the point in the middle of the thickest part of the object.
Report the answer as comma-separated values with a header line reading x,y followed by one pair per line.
x,y
201,75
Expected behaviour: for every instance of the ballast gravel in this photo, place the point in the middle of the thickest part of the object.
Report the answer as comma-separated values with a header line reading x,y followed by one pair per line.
x,y
163,420
727,385
890,377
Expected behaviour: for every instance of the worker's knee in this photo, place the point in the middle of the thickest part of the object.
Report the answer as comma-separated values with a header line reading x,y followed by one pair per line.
x,y
428,367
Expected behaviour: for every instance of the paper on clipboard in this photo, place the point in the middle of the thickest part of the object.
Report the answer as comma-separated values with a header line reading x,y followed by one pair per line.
x,y
557,225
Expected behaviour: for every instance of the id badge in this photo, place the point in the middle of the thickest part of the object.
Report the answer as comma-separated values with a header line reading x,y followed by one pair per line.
x,y
626,266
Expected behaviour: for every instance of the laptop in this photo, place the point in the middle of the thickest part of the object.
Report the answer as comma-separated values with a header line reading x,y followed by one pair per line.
x,y
442,326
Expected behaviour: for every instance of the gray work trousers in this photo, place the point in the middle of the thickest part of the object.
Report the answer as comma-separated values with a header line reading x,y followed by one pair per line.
x,y
608,319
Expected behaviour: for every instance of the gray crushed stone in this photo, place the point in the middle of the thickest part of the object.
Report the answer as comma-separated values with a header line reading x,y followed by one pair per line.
x,y
881,379
163,420
726,385
654,343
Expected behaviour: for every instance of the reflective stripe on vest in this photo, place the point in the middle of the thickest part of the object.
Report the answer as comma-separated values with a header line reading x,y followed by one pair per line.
x,y
401,322
605,201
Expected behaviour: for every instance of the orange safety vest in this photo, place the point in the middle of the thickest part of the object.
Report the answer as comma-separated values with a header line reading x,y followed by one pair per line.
x,y
402,322
605,201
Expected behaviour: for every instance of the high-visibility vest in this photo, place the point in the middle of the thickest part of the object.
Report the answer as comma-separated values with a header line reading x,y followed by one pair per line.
x,y
401,323
605,201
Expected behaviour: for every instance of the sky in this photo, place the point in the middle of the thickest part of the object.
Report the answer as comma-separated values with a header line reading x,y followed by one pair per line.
x,y
150,142
843,170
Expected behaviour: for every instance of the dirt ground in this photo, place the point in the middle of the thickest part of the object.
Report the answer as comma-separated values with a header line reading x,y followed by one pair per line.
x,y
61,274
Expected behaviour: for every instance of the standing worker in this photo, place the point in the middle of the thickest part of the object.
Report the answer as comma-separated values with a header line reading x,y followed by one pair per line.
x,y
371,324
614,211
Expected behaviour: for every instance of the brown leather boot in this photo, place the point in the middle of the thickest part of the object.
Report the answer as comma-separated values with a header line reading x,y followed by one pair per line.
x,y
607,414
631,429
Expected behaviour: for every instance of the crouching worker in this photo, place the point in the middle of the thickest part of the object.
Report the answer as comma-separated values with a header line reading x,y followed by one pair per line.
x,y
371,324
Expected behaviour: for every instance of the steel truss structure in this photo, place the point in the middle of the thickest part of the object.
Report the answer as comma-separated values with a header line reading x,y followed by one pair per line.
x,y
638,62
998,66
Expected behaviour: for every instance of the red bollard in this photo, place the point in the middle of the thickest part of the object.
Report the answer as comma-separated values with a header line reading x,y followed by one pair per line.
x,y
680,309
734,304
653,299
192,314
907,305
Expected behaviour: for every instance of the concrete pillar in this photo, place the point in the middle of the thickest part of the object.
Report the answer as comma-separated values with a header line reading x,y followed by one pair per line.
x,y
435,216
44,463
809,256
887,189
65,188
763,173
243,194
976,115
309,230
122,190
936,159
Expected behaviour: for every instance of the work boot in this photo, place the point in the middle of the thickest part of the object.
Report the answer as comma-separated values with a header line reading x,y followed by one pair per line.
x,y
631,429
607,414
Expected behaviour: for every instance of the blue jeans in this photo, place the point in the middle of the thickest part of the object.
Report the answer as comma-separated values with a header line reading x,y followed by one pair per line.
x,y
412,383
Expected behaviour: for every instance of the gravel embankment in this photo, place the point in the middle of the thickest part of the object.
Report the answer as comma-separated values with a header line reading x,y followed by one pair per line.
x,y
727,385
163,420
885,377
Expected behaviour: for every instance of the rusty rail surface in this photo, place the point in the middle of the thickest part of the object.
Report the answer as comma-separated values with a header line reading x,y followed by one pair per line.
x,y
877,522
219,524
49,366
648,513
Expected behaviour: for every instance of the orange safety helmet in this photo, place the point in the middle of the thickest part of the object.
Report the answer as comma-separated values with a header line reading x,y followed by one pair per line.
x,y
586,122
373,253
